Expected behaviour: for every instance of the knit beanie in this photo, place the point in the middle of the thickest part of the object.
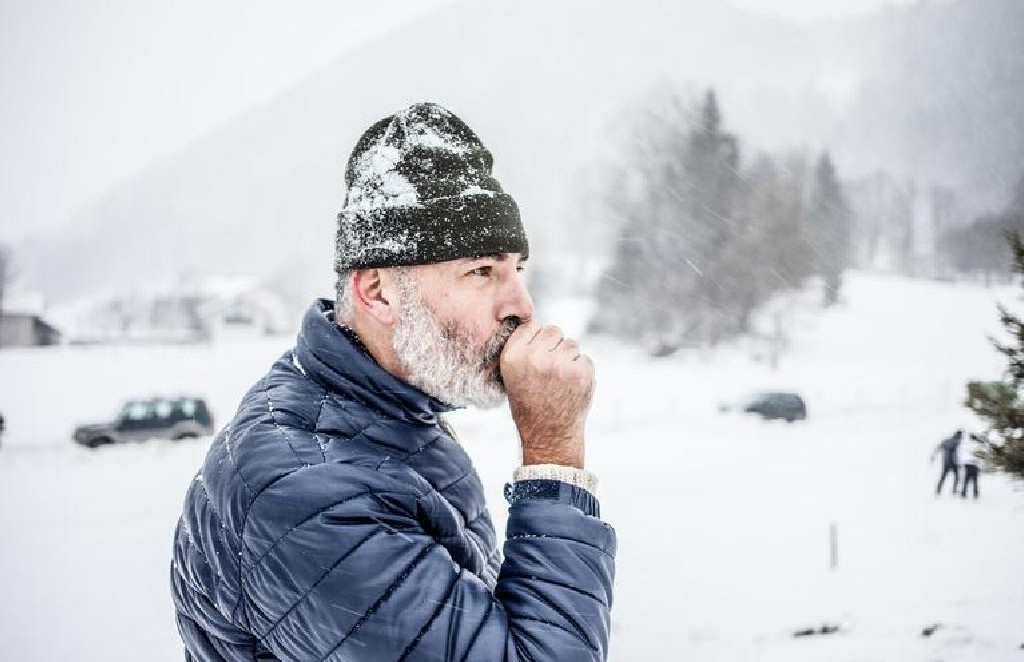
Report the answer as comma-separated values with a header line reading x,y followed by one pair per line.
x,y
420,190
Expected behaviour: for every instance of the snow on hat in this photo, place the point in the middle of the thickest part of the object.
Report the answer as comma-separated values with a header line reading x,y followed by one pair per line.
x,y
420,190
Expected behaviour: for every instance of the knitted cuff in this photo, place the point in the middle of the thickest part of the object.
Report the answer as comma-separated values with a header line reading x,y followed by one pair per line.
x,y
572,475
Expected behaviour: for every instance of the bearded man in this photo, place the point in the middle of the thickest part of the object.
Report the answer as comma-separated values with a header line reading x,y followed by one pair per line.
x,y
336,517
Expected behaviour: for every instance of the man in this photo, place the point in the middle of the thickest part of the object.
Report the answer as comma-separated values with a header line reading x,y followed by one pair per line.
x,y
337,517
971,457
948,449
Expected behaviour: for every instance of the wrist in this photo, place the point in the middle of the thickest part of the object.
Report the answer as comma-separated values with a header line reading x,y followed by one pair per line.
x,y
562,456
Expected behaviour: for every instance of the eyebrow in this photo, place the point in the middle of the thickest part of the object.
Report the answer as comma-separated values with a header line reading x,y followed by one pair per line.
x,y
499,257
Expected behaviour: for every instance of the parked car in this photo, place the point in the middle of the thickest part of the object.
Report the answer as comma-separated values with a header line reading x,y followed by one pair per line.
x,y
771,405
150,418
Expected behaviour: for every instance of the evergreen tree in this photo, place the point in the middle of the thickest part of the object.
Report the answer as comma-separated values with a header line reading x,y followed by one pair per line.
x,y
712,190
999,403
701,243
981,246
830,215
766,252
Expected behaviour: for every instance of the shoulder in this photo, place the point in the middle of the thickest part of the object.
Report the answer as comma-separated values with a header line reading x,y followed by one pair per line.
x,y
290,436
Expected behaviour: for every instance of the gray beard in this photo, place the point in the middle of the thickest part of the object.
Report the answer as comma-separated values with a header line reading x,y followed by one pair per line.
x,y
440,359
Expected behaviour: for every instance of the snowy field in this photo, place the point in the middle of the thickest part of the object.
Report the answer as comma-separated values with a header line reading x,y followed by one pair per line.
x,y
723,521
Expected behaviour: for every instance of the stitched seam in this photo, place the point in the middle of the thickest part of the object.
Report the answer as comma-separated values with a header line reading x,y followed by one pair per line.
x,y
454,483
520,647
383,598
245,517
231,458
280,428
371,387
552,582
580,634
479,629
520,619
180,571
479,549
319,411
316,424
423,447
433,617
259,493
266,487
213,509
579,542
488,552
292,529
322,577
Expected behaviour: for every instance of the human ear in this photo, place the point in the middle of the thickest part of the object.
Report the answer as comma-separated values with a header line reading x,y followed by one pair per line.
x,y
374,293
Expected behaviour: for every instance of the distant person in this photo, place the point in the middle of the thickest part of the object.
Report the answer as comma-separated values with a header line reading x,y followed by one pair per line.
x,y
970,457
337,517
1,430
948,449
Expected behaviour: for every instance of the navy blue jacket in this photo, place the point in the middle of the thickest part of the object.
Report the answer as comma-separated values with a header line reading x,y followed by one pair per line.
x,y
335,518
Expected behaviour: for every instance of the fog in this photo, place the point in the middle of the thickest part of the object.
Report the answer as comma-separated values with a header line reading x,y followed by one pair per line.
x,y
729,204
149,187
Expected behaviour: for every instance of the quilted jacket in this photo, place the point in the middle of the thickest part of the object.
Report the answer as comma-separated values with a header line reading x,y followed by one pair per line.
x,y
335,518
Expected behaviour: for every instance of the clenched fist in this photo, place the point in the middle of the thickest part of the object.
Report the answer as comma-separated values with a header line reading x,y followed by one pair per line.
x,y
550,383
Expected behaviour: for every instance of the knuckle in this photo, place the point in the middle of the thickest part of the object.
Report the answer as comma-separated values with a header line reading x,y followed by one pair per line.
x,y
551,331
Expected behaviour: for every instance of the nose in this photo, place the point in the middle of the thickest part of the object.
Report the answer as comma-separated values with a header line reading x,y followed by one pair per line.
x,y
515,300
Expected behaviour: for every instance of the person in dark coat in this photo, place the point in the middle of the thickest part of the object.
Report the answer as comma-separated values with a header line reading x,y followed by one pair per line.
x,y
947,448
336,516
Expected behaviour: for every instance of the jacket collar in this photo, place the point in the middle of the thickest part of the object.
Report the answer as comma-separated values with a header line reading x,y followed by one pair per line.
x,y
334,357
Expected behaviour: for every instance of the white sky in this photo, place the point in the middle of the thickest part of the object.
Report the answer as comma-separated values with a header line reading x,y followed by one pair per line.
x,y
95,90
805,11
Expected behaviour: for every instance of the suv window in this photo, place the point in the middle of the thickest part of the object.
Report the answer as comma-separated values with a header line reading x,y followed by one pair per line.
x,y
137,410
187,407
163,408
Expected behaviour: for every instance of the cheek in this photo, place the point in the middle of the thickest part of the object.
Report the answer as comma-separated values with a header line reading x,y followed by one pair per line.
x,y
476,319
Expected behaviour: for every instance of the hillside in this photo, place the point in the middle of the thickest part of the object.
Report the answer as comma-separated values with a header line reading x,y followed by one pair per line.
x,y
545,84
723,522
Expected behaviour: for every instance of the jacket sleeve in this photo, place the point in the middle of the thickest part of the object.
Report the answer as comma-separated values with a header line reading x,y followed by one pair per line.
x,y
340,568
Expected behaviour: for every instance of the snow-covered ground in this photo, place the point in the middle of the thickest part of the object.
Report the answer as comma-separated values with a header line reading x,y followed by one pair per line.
x,y
723,521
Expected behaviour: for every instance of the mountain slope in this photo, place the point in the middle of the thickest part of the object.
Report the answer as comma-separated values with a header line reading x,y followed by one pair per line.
x,y
543,84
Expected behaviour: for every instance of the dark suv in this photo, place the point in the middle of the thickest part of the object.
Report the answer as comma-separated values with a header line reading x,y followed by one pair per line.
x,y
151,418
774,405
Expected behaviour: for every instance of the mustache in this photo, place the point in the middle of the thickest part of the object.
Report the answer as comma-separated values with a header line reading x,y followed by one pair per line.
x,y
492,350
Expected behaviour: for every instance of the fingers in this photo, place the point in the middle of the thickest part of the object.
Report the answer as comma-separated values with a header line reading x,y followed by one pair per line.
x,y
532,337
547,338
523,334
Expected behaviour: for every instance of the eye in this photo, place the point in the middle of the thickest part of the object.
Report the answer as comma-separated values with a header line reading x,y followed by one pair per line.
x,y
482,271
520,268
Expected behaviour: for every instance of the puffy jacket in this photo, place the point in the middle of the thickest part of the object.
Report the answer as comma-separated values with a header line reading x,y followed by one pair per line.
x,y
335,518
948,448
